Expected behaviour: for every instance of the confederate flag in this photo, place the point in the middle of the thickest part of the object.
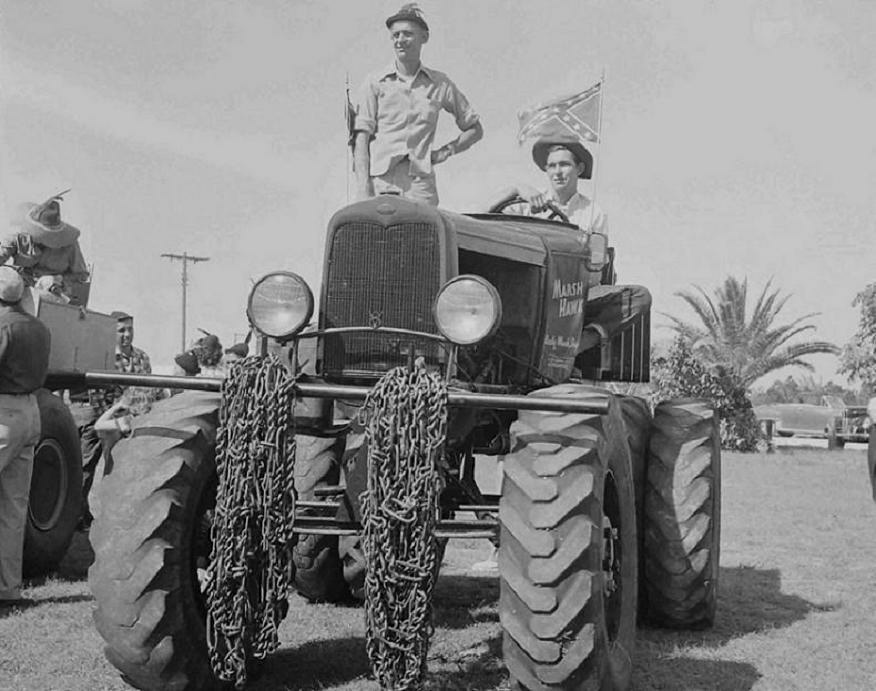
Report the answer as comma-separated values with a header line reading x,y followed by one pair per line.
x,y
577,115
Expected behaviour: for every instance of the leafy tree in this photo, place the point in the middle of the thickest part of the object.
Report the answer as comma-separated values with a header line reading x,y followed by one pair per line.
x,y
682,375
747,348
858,359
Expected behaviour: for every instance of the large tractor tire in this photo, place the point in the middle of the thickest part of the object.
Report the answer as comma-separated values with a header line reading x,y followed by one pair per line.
x,y
150,540
319,576
682,516
568,548
637,423
355,481
55,502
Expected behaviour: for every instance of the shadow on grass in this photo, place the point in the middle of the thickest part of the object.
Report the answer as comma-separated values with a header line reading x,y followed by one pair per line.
x,y
461,601
314,665
750,601
30,603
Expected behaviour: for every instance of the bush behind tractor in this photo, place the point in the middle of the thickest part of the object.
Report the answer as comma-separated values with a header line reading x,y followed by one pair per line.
x,y
609,513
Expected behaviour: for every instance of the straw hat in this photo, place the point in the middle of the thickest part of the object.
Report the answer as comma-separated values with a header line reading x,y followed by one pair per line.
x,y
43,223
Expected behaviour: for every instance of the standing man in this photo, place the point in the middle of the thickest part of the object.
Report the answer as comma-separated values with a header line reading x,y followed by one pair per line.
x,y
397,115
24,361
130,360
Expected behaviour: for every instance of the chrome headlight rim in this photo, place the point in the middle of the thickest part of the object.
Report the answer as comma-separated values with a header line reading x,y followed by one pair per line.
x,y
495,300
295,327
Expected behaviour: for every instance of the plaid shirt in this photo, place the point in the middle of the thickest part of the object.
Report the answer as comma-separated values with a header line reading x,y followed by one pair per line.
x,y
135,363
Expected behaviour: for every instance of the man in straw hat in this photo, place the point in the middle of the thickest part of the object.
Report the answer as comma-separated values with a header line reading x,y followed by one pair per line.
x,y
24,361
396,117
44,245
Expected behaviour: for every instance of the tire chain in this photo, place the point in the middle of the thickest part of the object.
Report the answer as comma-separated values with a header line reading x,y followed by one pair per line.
x,y
405,418
251,560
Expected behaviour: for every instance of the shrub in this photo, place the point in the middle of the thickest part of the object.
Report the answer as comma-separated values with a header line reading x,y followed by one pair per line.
x,y
681,375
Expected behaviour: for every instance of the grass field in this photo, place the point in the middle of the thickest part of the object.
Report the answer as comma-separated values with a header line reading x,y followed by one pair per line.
x,y
797,605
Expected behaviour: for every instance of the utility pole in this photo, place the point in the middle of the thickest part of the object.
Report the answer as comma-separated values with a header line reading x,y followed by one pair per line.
x,y
185,258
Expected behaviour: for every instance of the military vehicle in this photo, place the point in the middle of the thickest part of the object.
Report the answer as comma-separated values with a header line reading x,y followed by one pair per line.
x,y
608,513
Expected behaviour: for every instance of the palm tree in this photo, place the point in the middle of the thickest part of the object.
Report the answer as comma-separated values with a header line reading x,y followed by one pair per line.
x,y
748,349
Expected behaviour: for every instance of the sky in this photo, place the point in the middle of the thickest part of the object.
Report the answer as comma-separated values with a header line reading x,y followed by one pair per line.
x,y
738,138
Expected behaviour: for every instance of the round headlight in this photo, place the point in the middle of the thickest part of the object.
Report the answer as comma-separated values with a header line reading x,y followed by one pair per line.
x,y
467,309
280,304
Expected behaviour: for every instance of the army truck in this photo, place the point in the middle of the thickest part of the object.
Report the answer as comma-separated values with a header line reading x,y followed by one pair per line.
x,y
608,513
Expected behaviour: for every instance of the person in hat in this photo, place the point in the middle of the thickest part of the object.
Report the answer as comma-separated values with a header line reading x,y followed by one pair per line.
x,y
24,360
396,116
565,162
44,245
129,360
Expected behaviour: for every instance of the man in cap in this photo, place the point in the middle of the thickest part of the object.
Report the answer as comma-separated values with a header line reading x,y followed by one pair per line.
x,y
565,161
129,360
45,246
397,116
24,361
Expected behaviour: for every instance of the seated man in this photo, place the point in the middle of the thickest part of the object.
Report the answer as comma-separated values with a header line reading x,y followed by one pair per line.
x,y
45,246
609,308
565,162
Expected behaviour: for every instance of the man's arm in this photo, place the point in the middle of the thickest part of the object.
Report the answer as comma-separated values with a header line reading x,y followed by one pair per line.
x,y
535,198
466,139
362,160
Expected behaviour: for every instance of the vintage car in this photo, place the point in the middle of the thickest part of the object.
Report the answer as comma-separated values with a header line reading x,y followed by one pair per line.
x,y
832,420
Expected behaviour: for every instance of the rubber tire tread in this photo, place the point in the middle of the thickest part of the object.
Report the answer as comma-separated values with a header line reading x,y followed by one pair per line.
x,y
682,522
319,576
142,577
551,581
637,423
44,549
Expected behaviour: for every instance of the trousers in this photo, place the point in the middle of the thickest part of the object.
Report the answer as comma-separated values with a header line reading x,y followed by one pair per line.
x,y
19,434
398,180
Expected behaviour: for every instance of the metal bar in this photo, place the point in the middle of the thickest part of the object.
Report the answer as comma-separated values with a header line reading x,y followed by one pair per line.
x,y
449,525
477,507
69,380
333,505
370,329
440,534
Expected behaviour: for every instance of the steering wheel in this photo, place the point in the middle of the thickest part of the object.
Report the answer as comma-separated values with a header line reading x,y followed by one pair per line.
x,y
555,213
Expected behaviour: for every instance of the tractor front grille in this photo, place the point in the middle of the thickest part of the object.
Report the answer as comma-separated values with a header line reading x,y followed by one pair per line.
x,y
385,276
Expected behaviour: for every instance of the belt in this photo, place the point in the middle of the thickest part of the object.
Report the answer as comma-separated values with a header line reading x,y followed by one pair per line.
x,y
16,393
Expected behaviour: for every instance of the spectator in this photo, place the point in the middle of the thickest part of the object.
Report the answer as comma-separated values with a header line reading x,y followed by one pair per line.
x,y
24,361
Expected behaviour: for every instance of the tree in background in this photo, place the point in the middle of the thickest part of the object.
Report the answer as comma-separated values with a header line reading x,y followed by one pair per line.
x,y
746,348
858,358
681,374
803,389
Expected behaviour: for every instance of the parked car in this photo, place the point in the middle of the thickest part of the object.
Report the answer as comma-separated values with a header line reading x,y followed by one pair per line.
x,y
832,420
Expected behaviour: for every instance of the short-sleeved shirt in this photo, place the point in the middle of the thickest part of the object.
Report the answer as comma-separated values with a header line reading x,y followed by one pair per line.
x,y
37,260
24,351
401,115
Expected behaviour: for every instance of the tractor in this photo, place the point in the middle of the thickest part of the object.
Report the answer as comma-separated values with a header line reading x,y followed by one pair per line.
x,y
609,512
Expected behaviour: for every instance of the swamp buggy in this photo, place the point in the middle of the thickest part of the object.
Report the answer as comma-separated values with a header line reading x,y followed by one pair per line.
x,y
608,513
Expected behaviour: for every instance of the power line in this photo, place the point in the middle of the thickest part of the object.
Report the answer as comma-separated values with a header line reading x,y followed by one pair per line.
x,y
185,258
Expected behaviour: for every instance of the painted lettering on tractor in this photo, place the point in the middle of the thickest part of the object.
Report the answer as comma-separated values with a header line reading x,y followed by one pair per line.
x,y
571,297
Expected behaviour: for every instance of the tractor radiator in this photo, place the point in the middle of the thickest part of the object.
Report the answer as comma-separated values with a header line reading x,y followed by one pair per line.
x,y
380,276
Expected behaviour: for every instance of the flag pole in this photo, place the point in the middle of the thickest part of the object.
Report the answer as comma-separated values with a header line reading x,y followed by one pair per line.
x,y
347,127
599,139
